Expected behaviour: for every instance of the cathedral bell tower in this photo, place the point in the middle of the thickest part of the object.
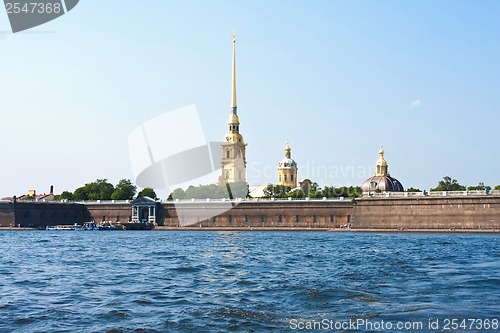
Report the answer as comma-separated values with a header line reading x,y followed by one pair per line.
x,y
287,170
233,163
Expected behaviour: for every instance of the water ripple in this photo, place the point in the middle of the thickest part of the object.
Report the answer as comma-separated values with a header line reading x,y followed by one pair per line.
x,y
240,281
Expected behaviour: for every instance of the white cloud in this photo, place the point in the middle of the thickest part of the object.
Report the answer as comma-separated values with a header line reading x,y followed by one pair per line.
x,y
415,104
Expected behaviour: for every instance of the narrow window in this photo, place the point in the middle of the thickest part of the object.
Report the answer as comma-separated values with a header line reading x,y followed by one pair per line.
x,y
291,177
332,219
263,218
228,153
315,218
297,218
280,219
214,220
285,178
227,174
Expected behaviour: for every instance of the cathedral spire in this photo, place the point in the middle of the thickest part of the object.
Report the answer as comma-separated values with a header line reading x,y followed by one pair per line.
x,y
233,162
233,87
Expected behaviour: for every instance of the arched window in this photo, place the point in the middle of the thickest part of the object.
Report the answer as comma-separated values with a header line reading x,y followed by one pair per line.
x,y
228,153
285,178
239,152
280,177
291,177
227,174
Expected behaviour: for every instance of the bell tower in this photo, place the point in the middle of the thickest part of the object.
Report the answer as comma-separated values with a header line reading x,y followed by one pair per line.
x,y
287,169
233,163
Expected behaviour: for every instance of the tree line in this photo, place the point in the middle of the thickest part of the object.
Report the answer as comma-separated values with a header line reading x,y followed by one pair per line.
x,y
450,184
212,191
101,189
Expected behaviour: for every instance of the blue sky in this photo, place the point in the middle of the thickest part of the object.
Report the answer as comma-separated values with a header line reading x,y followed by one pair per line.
x,y
334,78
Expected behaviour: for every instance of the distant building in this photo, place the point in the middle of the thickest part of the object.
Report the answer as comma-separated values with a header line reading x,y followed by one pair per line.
x,y
382,181
37,197
306,186
233,162
287,170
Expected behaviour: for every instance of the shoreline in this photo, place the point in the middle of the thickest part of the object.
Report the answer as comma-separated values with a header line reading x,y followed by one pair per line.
x,y
462,231
285,229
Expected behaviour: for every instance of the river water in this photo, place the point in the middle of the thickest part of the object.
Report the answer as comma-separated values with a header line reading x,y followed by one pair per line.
x,y
209,281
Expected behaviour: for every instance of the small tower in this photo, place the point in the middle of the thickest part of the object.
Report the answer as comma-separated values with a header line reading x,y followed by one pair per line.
x,y
381,168
287,170
233,163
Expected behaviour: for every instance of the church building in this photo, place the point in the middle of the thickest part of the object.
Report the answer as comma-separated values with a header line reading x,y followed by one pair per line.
x,y
287,170
233,162
382,181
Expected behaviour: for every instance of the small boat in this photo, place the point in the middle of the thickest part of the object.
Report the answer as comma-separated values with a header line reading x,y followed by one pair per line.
x,y
90,226
63,227
106,225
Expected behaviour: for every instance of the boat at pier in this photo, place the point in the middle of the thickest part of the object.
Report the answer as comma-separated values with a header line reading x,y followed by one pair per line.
x,y
74,227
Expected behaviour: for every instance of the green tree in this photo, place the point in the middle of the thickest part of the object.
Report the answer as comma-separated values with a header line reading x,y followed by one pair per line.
x,y
497,188
411,189
296,194
66,195
315,191
124,190
178,193
238,190
101,189
479,187
276,191
147,192
448,184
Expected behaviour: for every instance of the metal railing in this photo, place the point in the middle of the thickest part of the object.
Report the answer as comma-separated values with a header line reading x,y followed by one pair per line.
x,y
430,194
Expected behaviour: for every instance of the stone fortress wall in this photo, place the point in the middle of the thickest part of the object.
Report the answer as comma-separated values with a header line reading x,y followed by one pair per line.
x,y
402,213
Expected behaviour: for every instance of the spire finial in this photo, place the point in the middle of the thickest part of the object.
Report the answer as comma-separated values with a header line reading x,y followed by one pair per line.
x,y
233,87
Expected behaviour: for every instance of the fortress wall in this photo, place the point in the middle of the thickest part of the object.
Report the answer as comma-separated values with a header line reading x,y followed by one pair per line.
x,y
268,214
461,212
40,214
108,212
7,216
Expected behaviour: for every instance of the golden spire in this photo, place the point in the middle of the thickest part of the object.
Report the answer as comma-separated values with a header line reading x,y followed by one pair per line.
x,y
381,168
288,151
233,90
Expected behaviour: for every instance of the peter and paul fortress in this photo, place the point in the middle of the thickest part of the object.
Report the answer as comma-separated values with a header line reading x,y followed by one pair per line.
x,y
384,204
